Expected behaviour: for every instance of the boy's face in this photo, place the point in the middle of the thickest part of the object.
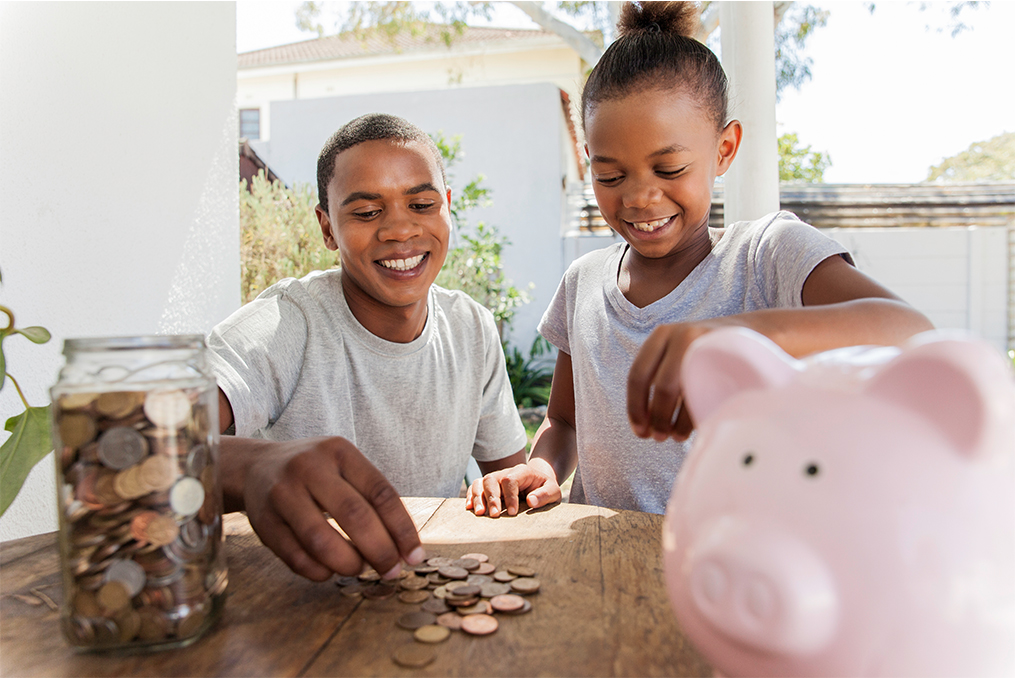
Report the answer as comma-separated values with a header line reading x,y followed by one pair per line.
x,y
389,218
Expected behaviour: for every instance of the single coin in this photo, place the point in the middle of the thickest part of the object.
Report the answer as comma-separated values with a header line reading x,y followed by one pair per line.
x,y
158,473
76,401
117,404
467,564
190,624
525,585
414,596
479,624
441,592
432,633
369,575
154,625
354,590
527,607
113,596
478,579
127,485
162,530
86,605
485,569
128,573
187,496
478,557
413,582
379,591
435,606
507,602
479,607
521,570
424,568
197,460
504,576
438,561
346,581
454,586
414,620
413,656
453,572
104,490
76,429
122,447
494,588
168,409
461,602
436,579
451,620
129,622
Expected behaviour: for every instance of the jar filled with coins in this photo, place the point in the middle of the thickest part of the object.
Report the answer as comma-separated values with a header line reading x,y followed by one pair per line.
x,y
135,429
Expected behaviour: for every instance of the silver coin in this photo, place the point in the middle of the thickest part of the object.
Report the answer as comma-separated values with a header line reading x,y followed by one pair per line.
x,y
128,573
168,409
121,448
197,460
187,496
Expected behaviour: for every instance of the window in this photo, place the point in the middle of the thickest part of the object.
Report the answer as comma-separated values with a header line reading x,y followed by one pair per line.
x,y
250,123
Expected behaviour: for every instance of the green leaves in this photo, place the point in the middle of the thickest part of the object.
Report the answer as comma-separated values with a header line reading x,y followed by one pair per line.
x,y
30,441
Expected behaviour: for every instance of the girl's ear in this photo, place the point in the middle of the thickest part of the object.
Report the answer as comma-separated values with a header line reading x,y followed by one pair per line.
x,y
587,151
729,143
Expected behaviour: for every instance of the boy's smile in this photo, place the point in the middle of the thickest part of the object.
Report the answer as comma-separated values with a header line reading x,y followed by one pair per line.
x,y
389,218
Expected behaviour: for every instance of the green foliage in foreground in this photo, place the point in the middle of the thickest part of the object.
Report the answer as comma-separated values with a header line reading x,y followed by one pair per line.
x,y
531,377
799,163
30,438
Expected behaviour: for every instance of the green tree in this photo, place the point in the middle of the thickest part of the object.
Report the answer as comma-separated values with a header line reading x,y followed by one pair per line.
x,y
990,160
799,164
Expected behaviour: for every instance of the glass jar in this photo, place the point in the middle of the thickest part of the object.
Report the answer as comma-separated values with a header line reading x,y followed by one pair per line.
x,y
135,429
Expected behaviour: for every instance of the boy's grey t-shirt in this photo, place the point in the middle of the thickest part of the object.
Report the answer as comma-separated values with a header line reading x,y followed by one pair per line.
x,y
295,363
754,265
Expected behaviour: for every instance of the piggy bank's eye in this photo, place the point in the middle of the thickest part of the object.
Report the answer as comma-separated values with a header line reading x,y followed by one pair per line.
x,y
812,470
748,459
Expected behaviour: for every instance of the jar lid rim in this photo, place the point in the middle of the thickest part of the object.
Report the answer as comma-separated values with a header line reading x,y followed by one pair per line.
x,y
122,343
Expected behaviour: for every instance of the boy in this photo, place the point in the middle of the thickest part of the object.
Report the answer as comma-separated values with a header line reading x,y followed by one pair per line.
x,y
409,375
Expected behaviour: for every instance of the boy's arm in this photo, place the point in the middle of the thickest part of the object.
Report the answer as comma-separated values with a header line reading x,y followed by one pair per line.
x,y
285,488
842,307
554,456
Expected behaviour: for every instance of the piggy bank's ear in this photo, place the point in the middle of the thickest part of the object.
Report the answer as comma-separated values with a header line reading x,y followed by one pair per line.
x,y
961,387
725,362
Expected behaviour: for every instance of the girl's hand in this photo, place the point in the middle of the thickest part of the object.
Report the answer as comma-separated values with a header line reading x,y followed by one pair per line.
x,y
535,480
654,397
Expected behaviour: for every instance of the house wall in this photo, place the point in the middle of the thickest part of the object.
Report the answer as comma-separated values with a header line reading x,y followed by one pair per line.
x,y
511,135
118,186
442,69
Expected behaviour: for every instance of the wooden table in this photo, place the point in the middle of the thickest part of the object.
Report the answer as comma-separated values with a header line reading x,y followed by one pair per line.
x,y
602,609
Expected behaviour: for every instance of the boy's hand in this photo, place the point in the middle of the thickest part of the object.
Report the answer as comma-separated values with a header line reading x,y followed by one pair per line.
x,y
654,397
536,480
287,487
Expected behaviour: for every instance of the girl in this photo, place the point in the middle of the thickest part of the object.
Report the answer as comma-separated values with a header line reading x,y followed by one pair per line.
x,y
654,111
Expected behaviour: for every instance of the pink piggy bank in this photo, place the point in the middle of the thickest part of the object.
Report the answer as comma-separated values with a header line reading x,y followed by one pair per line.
x,y
851,514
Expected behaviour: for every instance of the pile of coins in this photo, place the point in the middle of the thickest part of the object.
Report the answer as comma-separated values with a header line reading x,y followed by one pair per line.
x,y
461,594
141,526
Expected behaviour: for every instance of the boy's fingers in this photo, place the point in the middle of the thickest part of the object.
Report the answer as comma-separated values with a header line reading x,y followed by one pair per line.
x,y
278,537
371,512
315,535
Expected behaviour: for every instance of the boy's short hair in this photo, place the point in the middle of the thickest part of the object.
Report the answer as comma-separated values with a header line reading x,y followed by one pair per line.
x,y
369,127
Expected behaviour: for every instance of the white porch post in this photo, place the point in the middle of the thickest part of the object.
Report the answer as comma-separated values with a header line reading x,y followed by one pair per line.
x,y
748,56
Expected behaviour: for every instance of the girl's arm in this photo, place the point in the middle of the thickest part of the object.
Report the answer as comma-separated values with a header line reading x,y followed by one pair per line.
x,y
842,307
554,456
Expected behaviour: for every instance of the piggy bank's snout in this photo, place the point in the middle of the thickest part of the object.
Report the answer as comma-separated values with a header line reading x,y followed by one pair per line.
x,y
762,587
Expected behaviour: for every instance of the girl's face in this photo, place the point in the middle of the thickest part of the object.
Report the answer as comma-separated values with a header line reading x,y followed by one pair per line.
x,y
655,156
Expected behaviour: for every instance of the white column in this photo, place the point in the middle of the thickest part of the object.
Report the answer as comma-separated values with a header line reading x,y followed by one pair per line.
x,y
748,56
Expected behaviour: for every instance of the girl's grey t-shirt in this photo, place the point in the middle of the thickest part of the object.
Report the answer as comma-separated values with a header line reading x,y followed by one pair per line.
x,y
295,363
754,265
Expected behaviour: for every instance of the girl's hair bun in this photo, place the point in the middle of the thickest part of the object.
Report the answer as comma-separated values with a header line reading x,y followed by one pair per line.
x,y
638,18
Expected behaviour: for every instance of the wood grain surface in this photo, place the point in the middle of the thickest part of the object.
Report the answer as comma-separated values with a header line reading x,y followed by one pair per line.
x,y
601,610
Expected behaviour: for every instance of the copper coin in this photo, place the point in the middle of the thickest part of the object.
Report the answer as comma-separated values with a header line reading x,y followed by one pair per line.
x,y
435,606
168,409
479,607
432,633
461,588
379,591
414,597
453,572
86,605
461,602
76,429
414,656
527,607
438,561
467,564
118,404
452,620
370,575
478,557
478,579
521,570
525,585
154,625
104,490
436,578
507,602
494,588
127,484
413,582
190,624
76,401
479,624
158,473
354,590
129,622
504,576
485,569
414,620
113,596
424,568
128,573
